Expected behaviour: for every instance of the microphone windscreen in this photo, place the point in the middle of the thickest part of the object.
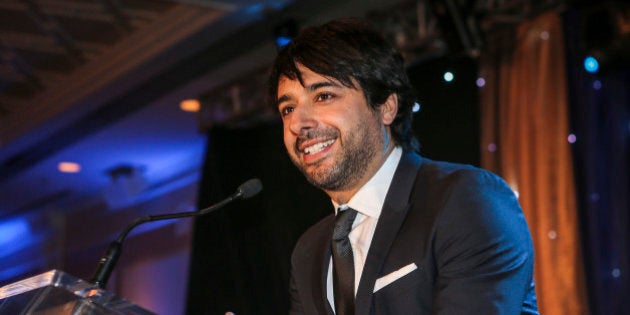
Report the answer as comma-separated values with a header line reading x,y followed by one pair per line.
x,y
250,188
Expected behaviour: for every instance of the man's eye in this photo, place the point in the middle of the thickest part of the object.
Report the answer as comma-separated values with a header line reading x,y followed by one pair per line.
x,y
286,110
324,97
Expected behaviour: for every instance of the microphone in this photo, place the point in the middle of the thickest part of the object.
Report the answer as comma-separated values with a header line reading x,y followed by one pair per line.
x,y
107,263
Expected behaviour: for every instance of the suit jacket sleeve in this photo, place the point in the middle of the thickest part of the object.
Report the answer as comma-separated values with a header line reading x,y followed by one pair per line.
x,y
483,250
296,304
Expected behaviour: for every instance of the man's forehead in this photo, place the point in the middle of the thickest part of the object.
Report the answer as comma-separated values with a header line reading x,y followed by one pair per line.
x,y
285,82
285,79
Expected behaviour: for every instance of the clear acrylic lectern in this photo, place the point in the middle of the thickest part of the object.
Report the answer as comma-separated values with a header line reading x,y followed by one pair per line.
x,y
55,292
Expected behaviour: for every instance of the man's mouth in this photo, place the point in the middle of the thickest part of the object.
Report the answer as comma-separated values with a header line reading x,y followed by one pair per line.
x,y
318,147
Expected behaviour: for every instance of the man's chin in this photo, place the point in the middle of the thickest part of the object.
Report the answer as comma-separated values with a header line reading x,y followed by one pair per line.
x,y
319,174
325,180
319,183
315,176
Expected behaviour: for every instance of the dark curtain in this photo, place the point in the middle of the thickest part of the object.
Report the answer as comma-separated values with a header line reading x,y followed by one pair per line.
x,y
447,124
241,254
600,119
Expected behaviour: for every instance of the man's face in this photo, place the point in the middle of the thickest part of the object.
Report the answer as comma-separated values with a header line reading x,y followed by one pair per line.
x,y
330,132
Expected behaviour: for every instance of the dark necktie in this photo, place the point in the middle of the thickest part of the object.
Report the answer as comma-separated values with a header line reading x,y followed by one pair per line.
x,y
343,263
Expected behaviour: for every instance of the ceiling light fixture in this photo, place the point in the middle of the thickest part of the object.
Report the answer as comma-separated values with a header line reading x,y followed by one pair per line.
x,y
69,167
190,105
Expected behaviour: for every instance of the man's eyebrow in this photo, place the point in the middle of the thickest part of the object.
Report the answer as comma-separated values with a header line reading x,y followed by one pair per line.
x,y
313,87
283,98
318,85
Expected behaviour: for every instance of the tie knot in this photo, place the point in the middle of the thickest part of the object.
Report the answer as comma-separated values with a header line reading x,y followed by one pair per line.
x,y
343,223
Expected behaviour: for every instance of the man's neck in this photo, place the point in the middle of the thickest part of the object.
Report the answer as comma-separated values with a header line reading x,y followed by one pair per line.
x,y
344,195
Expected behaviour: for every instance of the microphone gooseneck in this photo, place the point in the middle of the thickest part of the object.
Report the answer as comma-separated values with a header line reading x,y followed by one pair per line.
x,y
107,263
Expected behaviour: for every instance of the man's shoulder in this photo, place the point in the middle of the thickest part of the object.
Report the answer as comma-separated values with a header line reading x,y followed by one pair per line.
x,y
451,171
438,181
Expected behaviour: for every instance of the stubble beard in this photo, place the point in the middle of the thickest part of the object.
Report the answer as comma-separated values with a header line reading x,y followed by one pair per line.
x,y
350,164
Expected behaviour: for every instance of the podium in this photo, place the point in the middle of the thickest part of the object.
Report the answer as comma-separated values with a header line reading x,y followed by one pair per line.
x,y
56,293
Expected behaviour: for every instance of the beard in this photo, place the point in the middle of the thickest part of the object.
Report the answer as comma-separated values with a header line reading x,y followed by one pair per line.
x,y
348,164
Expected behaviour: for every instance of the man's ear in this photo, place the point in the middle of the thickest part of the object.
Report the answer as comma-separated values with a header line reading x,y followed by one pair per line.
x,y
389,109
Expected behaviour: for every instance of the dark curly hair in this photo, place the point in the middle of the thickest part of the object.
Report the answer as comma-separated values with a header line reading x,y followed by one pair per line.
x,y
347,50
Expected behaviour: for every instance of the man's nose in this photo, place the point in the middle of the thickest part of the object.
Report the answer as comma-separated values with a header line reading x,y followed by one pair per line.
x,y
302,119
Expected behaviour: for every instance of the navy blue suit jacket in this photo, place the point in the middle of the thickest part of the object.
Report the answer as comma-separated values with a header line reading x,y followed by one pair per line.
x,y
461,226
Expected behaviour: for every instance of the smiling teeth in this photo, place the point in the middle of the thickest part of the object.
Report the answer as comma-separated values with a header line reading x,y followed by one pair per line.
x,y
318,147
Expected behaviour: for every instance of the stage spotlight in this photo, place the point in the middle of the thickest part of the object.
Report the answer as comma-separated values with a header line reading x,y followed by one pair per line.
x,y
284,33
416,107
481,82
449,76
282,41
591,64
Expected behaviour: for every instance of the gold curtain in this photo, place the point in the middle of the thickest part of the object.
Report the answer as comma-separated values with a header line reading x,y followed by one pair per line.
x,y
524,138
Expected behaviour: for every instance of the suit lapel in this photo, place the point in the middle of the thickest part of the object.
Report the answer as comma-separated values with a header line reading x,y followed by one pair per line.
x,y
320,269
393,214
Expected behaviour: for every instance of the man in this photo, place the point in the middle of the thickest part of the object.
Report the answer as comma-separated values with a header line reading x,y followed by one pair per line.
x,y
421,237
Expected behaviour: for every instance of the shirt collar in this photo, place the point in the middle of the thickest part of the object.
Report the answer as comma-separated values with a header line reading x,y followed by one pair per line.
x,y
370,198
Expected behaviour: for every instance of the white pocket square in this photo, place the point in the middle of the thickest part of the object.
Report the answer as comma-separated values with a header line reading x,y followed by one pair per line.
x,y
393,276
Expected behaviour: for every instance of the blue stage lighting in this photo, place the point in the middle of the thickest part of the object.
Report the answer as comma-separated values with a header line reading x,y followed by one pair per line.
x,y
591,64
283,33
13,230
282,41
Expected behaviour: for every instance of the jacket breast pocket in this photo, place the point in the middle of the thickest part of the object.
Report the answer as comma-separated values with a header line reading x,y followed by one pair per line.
x,y
408,294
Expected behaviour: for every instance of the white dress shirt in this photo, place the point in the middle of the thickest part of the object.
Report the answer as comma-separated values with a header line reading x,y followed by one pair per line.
x,y
368,202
